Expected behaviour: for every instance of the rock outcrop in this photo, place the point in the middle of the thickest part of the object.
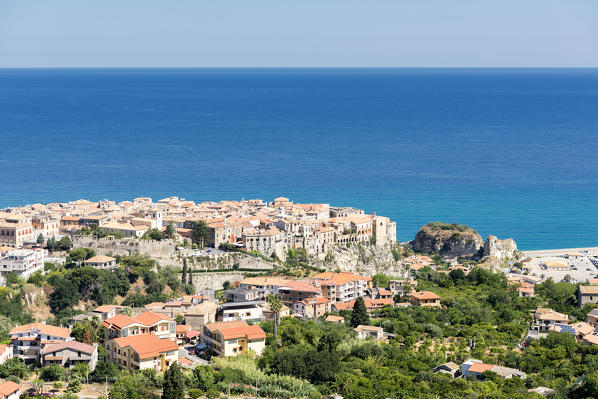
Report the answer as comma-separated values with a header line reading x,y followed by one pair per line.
x,y
501,249
451,240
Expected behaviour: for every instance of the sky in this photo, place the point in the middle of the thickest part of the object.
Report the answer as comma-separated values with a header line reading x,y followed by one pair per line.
x,y
298,33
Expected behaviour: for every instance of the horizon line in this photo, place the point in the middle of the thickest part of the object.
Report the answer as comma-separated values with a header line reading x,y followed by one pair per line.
x,y
297,67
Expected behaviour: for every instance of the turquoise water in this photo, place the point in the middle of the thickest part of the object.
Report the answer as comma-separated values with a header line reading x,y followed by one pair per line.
x,y
511,152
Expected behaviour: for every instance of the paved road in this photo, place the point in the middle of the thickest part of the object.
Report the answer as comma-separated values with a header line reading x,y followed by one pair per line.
x,y
591,251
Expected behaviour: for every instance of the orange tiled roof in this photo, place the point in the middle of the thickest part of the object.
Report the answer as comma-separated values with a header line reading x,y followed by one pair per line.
x,y
44,329
480,367
147,345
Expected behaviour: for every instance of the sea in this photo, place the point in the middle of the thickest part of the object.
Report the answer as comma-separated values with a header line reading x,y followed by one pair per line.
x,y
509,152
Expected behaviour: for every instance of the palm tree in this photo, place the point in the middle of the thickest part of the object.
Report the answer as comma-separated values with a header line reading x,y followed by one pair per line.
x,y
275,307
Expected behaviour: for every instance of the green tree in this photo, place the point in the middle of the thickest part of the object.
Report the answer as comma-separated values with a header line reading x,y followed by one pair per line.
x,y
85,332
40,239
199,233
360,313
65,243
184,272
52,372
275,307
170,230
174,385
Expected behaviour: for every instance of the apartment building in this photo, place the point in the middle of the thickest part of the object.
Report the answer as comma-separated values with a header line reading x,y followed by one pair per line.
x,y
266,285
70,353
343,286
29,340
16,234
233,338
23,262
297,291
142,351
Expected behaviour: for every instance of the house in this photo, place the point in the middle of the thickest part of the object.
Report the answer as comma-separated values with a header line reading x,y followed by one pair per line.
x,y
246,311
545,318
334,319
555,265
590,339
233,337
101,262
181,333
526,290
424,298
10,390
70,353
105,312
476,369
5,353
544,391
449,368
29,340
587,294
143,351
370,304
592,318
312,307
201,314
240,295
364,332
148,322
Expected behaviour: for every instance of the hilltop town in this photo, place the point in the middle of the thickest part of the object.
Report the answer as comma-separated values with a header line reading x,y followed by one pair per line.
x,y
178,299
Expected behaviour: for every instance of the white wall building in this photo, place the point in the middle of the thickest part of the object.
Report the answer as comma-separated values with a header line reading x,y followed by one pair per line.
x,y
24,262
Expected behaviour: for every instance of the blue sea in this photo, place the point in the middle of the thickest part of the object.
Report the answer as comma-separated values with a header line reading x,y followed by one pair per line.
x,y
511,152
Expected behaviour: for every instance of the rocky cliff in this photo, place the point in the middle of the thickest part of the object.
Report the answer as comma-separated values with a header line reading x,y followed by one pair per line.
x,y
362,258
448,240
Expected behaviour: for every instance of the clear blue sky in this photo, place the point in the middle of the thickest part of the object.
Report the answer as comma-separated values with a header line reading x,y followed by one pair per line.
x,y
245,33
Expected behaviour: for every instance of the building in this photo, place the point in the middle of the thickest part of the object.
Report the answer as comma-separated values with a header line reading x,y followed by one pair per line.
x,y
143,351
126,229
297,291
555,265
23,262
545,318
587,294
592,318
29,340
105,312
364,332
240,295
370,304
449,368
334,319
312,307
201,314
424,298
5,353
16,234
233,337
101,262
246,311
120,325
476,369
265,285
70,353
10,390
344,286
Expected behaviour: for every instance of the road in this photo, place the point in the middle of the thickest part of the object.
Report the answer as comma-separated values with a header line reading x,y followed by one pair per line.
x,y
591,251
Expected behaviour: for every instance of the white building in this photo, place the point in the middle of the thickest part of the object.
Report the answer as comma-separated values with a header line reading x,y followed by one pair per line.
x,y
24,262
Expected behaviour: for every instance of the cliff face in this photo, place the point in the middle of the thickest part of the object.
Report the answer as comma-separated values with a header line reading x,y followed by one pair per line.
x,y
448,240
501,249
362,258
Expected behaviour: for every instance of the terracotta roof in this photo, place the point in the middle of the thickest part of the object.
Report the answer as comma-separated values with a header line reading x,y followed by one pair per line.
x,y
8,388
480,367
43,329
181,328
275,281
104,308
184,360
334,319
237,329
119,321
150,318
424,295
147,345
301,285
367,328
341,278
588,289
74,345
100,259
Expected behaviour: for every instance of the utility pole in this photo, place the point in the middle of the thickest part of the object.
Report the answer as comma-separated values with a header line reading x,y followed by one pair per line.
x,y
106,386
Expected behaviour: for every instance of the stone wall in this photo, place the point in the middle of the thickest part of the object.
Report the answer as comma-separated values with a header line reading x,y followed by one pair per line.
x,y
214,281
